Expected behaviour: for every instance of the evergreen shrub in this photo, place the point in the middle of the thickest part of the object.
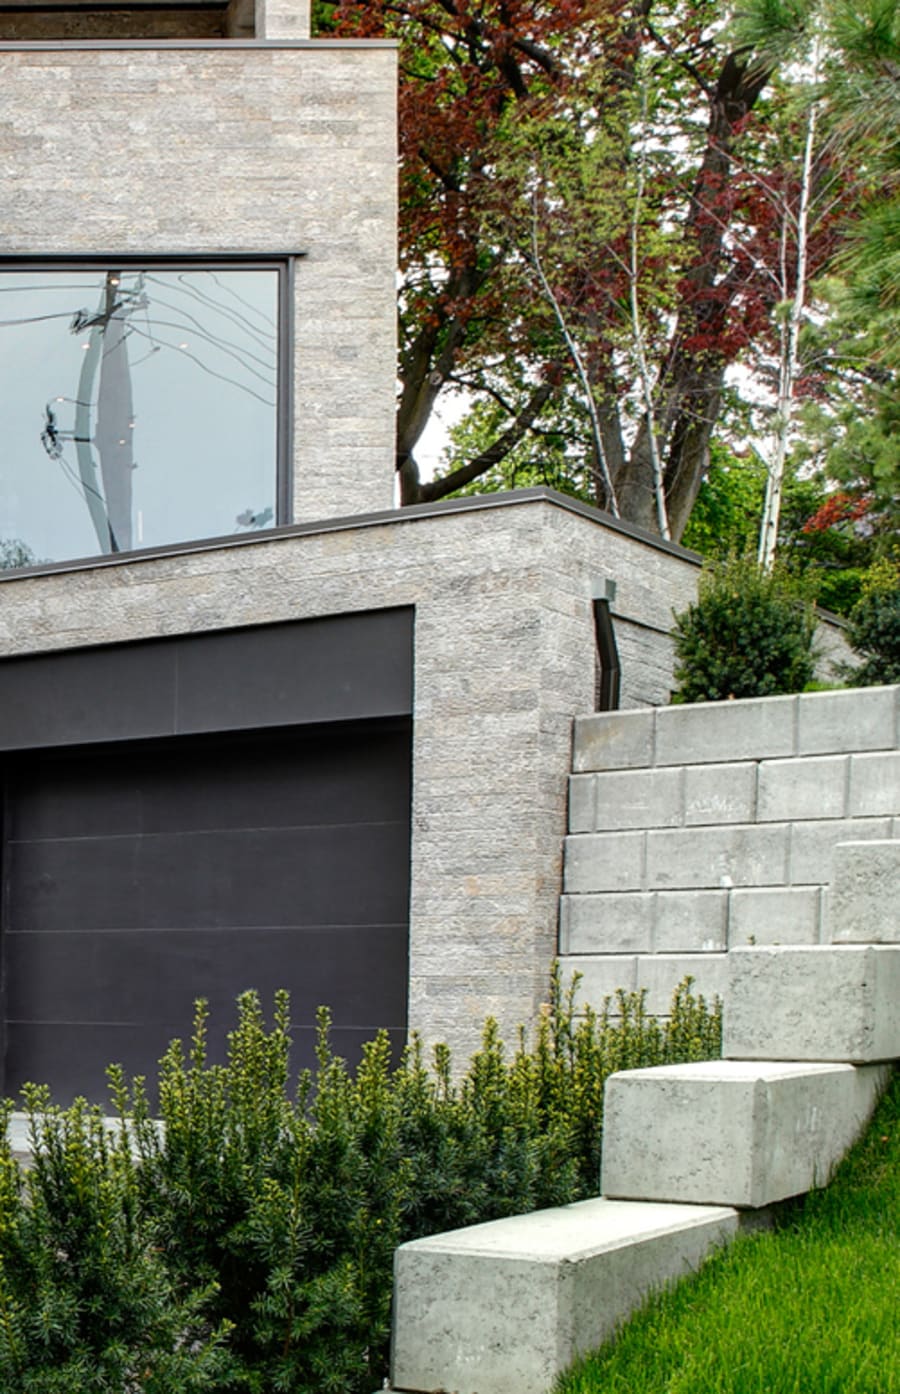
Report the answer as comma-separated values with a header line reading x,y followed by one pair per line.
x,y
87,1302
276,1216
750,634
874,630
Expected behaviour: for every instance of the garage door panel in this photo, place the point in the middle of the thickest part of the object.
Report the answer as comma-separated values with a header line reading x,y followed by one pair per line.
x,y
215,879
361,777
353,780
78,800
74,1062
138,878
104,978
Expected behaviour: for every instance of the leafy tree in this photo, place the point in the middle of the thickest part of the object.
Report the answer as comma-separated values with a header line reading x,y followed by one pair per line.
x,y
845,364
577,184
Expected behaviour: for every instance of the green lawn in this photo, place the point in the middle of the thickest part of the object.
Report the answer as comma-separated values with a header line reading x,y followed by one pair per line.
x,y
812,1307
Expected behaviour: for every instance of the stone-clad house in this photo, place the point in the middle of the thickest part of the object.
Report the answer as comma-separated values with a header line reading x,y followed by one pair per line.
x,y
259,728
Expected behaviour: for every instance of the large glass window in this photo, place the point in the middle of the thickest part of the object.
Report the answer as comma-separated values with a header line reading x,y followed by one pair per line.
x,y
139,405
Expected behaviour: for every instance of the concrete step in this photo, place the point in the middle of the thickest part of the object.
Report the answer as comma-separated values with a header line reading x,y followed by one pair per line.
x,y
502,1308
813,1002
732,1132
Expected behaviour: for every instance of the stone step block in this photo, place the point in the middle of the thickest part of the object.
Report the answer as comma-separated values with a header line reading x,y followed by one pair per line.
x,y
659,974
813,1002
732,1132
812,844
864,896
595,862
775,915
704,857
864,718
606,924
808,787
502,1308
716,732
874,784
613,741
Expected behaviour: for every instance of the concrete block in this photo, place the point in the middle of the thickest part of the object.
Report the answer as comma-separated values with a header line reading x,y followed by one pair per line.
x,y
604,862
660,974
704,858
613,741
602,975
720,793
864,718
775,915
690,921
875,785
606,924
714,732
813,1002
808,788
732,1132
502,1308
582,803
864,897
637,799
812,845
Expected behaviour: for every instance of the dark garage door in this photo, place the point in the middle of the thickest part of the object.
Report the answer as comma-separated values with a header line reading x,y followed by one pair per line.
x,y
137,878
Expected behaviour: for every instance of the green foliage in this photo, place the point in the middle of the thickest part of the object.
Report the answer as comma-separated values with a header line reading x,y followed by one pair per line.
x,y
726,515
819,536
875,627
87,1304
293,1209
243,1244
14,552
750,634
808,1306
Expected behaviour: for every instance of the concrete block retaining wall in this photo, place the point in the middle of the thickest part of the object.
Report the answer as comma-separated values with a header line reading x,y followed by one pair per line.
x,y
697,829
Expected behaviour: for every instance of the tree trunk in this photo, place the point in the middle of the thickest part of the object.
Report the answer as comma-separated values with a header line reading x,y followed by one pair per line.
x,y
689,390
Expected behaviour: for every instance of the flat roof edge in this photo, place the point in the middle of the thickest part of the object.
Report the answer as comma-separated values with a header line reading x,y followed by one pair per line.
x,y
217,45
475,503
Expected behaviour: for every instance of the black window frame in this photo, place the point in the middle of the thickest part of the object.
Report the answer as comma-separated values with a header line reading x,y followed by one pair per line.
x,y
284,263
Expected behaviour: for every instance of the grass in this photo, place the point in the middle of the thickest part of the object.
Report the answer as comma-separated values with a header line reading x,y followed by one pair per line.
x,y
812,1307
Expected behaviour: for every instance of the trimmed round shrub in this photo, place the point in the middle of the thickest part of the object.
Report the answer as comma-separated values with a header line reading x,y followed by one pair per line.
x,y
750,634
874,629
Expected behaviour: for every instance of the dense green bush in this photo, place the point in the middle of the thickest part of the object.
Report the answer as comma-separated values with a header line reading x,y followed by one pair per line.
x,y
87,1304
874,630
750,634
277,1217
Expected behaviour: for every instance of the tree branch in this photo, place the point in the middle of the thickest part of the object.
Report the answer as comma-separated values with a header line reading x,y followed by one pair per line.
x,y
464,474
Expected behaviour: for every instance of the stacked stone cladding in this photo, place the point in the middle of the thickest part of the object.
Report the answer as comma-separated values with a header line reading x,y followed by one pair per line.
x,y
697,829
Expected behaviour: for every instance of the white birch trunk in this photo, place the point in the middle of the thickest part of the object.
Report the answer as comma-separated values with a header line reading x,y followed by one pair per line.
x,y
789,366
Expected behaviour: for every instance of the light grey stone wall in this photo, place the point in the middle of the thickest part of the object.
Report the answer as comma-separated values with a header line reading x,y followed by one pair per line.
x,y
282,19
172,148
703,828
834,651
504,658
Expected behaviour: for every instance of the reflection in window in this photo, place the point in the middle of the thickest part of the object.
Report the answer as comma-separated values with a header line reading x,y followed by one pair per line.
x,y
138,408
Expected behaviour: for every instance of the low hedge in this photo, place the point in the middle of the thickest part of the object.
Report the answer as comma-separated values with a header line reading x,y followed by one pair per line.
x,y
246,1246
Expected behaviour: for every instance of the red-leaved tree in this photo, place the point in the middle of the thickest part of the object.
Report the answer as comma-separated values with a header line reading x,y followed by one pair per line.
x,y
588,221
